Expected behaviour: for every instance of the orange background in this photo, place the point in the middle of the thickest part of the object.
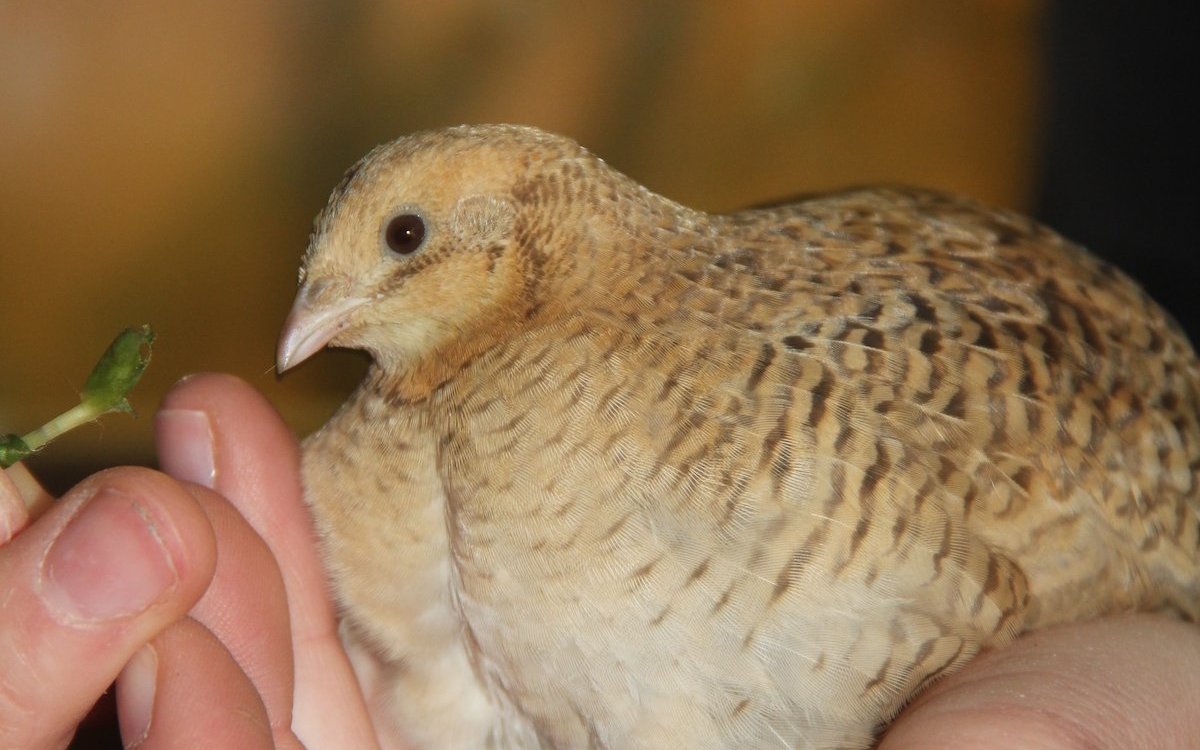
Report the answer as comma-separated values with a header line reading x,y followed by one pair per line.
x,y
162,162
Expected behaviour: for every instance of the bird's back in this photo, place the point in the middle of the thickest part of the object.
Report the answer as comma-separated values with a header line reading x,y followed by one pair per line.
x,y
816,454
1054,402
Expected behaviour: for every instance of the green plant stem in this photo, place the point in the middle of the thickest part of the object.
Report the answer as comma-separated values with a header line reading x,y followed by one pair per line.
x,y
70,419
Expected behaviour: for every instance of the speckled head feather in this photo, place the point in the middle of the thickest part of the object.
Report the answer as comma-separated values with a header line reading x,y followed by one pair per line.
x,y
462,184
507,211
451,152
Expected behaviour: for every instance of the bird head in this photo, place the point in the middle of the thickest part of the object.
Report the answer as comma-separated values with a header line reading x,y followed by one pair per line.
x,y
428,246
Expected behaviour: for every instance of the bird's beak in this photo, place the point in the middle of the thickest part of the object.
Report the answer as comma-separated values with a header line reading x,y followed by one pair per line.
x,y
310,325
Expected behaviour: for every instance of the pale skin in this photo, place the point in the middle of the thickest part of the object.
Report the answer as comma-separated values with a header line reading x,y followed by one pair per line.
x,y
228,639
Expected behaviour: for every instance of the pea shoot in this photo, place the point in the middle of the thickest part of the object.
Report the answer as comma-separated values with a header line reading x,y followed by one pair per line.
x,y
111,380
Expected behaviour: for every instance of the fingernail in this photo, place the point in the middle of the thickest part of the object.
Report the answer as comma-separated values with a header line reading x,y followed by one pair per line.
x,y
185,445
109,562
135,696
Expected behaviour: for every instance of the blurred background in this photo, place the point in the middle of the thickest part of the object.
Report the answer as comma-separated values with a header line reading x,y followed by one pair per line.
x,y
162,162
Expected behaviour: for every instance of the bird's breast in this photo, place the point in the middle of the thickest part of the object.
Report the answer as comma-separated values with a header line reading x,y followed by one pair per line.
x,y
642,523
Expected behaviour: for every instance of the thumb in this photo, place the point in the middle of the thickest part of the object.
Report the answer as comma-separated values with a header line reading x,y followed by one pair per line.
x,y
123,555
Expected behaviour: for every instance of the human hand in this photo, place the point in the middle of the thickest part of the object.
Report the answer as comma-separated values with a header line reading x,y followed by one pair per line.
x,y
1120,682
122,556
135,551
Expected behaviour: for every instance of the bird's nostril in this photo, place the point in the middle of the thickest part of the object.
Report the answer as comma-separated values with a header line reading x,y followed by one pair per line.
x,y
316,289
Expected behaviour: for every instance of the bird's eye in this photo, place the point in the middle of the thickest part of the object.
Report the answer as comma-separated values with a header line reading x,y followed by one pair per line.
x,y
405,233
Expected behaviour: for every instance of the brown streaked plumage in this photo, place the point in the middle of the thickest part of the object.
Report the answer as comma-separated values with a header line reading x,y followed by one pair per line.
x,y
630,475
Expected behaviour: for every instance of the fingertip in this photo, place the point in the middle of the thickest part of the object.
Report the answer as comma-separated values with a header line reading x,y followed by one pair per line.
x,y
137,686
206,384
186,445
113,560
123,555
218,429
173,516
186,690
234,407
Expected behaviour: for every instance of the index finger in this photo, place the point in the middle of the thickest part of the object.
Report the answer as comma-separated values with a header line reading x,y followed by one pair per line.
x,y
255,464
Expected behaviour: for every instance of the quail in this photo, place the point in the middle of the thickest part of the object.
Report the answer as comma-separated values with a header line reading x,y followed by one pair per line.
x,y
625,474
